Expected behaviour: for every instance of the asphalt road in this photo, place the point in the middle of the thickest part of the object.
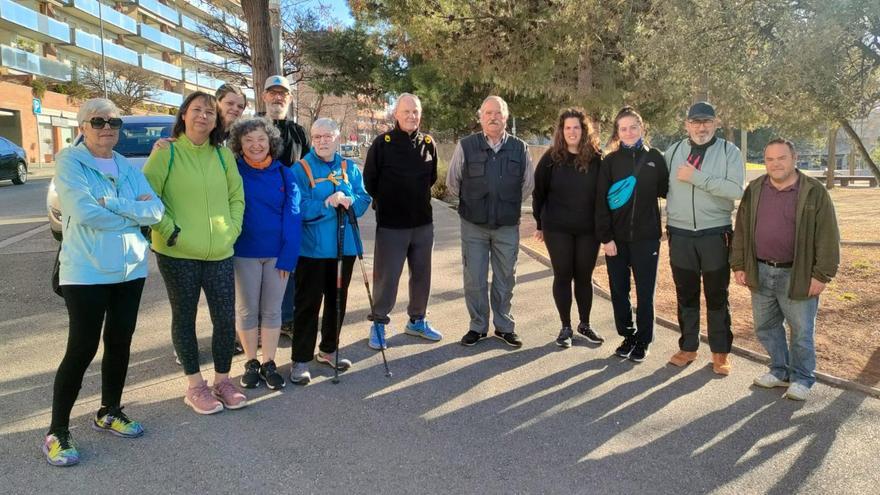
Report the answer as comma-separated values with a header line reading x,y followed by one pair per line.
x,y
486,419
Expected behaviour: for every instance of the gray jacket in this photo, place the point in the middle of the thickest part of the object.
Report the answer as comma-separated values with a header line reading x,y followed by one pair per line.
x,y
707,200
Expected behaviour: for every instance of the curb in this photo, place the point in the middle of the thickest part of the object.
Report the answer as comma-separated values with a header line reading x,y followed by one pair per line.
x,y
737,350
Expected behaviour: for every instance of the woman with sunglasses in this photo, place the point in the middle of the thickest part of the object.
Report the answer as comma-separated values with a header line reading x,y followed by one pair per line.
x,y
198,181
631,179
103,265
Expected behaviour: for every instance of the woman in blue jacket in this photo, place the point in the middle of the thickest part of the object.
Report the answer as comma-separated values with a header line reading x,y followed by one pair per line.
x,y
268,247
103,265
327,182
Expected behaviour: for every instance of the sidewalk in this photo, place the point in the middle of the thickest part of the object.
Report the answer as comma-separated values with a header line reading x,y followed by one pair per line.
x,y
485,419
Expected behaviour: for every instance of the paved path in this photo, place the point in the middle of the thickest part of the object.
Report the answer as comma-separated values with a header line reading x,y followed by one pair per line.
x,y
486,419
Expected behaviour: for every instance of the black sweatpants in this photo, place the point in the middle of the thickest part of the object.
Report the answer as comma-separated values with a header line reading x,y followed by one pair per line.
x,y
316,282
706,257
184,280
573,257
89,308
640,259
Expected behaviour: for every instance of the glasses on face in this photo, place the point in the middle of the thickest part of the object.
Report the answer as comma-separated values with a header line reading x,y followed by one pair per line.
x,y
701,123
100,122
274,93
323,137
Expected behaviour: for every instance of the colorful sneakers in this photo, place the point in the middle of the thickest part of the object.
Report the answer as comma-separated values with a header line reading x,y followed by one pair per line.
x,y
421,328
377,336
116,422
201,400
59,449
226,393
329,358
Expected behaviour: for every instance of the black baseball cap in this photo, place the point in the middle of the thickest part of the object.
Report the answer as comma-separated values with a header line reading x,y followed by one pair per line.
x,y
701,110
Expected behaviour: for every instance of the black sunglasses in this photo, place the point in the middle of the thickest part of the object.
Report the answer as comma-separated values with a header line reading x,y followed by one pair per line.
x,y
100,122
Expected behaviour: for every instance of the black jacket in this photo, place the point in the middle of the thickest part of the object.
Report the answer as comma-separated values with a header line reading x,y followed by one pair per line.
x,y
564,199
639,218
296,141
398,173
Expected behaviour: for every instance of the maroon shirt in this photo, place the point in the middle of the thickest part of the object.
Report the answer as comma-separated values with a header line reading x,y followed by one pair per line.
x,y
775,223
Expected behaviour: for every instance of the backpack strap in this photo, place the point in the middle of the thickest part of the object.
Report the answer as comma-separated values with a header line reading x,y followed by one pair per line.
x,y
313,182
220,156
308,170
345,171
170,164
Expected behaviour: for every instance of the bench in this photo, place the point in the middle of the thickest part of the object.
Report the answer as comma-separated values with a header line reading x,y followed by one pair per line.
x,y
845,180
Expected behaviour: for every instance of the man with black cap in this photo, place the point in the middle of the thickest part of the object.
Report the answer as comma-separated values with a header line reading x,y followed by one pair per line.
x,y
276,96
706,177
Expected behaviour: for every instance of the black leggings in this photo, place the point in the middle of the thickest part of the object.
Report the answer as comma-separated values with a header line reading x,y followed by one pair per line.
x,y
573,257
184,281
316,282
89,307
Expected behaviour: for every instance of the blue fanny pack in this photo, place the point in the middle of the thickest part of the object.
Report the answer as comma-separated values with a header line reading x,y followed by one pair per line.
x,y
621,191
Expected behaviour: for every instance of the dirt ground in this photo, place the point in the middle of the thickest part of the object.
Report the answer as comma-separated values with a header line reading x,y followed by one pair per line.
x,y
847,333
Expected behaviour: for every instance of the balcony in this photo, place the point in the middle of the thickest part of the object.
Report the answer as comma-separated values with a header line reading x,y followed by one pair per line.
x,y
162,68
202,80
191,24
153,35
200,55
202,7
92,44
39,27
163,97
113,20
23,61
160,10
235,22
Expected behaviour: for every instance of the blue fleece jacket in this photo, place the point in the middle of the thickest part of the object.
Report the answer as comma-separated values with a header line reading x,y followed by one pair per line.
x,y
102,244
272,225
319,221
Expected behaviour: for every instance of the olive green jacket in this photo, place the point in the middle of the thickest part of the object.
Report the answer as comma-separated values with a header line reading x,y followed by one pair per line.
x,y
817,239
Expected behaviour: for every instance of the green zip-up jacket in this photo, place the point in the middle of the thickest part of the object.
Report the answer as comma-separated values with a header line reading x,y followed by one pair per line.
x,y
203,196
817,239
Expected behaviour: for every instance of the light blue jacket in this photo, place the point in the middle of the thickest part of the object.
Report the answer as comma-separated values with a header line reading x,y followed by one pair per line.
x,y
319,221
102,244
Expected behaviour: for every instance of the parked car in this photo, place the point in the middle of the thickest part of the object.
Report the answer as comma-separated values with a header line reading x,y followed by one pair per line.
x,y
136,139
349,151
13,162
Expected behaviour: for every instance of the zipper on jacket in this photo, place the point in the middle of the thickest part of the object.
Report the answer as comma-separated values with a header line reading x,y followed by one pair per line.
x,y
694,205
632,213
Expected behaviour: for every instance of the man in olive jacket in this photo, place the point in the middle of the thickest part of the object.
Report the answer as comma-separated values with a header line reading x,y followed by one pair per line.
x,y
786,248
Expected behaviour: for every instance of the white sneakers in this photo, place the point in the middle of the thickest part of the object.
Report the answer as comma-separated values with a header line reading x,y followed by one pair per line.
x,y
769,380
795,391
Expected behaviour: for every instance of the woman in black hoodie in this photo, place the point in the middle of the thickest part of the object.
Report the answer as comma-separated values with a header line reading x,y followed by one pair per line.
x,y
631,178
563,203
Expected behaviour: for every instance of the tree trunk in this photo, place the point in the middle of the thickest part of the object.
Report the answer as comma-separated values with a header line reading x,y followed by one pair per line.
x,y
832,157
585,72
256,14
744,143
860,147
728,133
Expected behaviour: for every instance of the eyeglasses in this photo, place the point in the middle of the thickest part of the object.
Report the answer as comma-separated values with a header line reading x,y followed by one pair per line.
x,y
701,123
100,122
323,137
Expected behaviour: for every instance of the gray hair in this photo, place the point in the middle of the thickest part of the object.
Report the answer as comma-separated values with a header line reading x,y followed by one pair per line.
x,y
243,127
503,104
329,124
96,106
415,100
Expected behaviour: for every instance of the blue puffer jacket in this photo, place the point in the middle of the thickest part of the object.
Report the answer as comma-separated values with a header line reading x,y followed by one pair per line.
x,y
102,244
319,221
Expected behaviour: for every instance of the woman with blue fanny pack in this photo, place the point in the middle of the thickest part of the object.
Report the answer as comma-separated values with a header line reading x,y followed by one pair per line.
x,y
631,178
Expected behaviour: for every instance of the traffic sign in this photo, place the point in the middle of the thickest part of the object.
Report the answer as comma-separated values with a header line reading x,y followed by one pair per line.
x,y
37,106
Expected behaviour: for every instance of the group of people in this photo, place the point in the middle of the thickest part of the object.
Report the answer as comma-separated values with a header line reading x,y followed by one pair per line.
x,y
262,218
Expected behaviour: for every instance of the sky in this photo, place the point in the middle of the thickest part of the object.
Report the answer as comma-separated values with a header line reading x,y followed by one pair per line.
x,y
338,8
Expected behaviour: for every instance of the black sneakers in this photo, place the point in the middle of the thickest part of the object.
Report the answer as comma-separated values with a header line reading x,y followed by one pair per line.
x,y
639,352
251,376
472,338
269,374
564,338
590,334
509,338
238,349
626,348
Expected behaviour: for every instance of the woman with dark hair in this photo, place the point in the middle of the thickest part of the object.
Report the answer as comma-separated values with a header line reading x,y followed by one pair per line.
x,y
268,247
232,103
563,204
631,179
199,184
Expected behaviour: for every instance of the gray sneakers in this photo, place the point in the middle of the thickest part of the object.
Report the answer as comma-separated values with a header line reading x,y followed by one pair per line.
x,y
299,373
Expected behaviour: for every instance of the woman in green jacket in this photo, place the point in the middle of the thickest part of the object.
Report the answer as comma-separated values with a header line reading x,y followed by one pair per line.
x,y
199,184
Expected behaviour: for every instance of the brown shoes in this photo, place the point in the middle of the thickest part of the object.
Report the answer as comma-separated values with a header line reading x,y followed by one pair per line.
x,y
721,363
682,358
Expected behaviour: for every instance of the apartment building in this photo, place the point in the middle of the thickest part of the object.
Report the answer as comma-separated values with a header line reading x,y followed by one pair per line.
x,y
43,43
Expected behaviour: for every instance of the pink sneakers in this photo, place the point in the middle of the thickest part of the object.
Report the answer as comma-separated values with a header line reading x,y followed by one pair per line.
x,y
200,399
226,393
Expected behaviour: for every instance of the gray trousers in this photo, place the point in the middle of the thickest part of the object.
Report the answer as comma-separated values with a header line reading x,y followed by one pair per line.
x,y
481,246
258,293
393,247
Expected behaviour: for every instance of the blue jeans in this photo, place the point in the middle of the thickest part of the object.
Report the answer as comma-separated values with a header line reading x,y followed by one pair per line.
x,y
771,307
287,300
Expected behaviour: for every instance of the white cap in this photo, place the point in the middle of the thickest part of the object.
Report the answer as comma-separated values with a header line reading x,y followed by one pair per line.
x,y
277,81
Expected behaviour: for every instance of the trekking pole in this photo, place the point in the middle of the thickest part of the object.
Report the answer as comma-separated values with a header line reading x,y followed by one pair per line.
x,y
360,254
340,244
